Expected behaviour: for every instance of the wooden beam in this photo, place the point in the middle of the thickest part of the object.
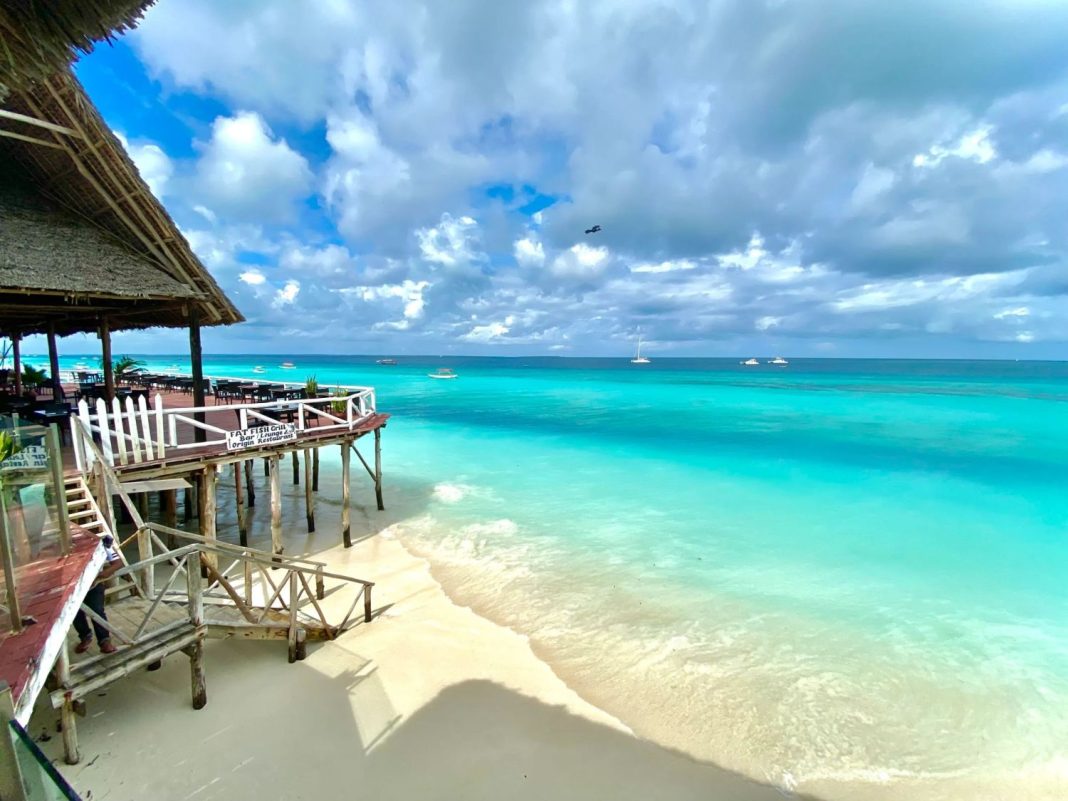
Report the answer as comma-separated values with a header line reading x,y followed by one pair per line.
x,y
315,470
109,368
276,506
378,469
196,359
16,355
53,362
208,508
250,485
50,126
346,531
239,499
66,714
309,501
296,469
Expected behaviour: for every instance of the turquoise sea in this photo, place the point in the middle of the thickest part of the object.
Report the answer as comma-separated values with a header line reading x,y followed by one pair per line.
x,y
830,575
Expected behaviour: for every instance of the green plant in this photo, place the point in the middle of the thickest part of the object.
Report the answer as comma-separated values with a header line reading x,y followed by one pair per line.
x,y
127,364
311,386
8,445
338,406
33,377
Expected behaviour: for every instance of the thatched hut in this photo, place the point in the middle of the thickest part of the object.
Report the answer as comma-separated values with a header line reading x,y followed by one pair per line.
x,y
84,245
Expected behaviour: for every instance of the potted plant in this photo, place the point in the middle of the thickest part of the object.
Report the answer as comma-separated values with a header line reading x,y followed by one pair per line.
x,y
311,386
338,406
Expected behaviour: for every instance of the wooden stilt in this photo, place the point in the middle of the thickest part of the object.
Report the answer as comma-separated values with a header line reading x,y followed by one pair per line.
x,y
315,470
109,368
267,467
66,712
16,361
250,485
187,503
296,469
378,469
293,623
53,363
196,675
239,497
276,506
196,364
309,502
346,533
208,506
169,512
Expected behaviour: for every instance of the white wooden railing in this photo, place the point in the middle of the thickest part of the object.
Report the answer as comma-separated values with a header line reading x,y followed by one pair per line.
x,y
132,432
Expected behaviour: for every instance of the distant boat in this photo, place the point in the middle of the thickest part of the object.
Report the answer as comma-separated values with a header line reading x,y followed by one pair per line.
x,y
751,363
258,369
638,358
287,365
444,372
778,360
386,361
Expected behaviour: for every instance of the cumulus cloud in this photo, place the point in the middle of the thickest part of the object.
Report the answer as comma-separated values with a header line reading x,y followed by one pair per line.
x,y
787,172
247,173
154,165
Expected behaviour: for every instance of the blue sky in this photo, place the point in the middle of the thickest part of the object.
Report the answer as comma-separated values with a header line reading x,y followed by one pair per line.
x,y
772,176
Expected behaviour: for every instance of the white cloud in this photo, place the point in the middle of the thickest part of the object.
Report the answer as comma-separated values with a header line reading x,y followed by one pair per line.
x,y
453,242
486,333
253,277
664,266
975,146
1009,314
287,294
154,165
580,261
248,173
529,252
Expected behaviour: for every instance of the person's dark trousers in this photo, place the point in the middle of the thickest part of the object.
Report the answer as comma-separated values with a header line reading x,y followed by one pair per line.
x,y
94,599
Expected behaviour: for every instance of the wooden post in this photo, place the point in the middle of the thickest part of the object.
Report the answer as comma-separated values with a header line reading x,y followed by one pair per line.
x,y
250,485
207,510
367,616
187,504
196,616
293,622
276,506
168,501
309,502
7,553
53,363
239,499
296,468
378,469
16,355
315,470
59,488
66,713
109,368
196,360
346,532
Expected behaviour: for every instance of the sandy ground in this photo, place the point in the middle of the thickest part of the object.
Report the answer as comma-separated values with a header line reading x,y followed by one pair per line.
x,y
429,701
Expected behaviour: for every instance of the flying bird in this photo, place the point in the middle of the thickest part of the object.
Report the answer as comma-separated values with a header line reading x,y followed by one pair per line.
x,y
596,229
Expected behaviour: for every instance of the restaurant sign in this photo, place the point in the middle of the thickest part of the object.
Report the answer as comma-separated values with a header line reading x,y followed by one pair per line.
x,y
33,457
260,436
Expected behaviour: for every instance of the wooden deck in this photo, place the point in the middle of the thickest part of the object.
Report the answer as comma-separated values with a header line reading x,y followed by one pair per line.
x,y
50,590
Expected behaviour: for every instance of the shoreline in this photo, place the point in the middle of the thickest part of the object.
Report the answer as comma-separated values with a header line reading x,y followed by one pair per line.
x,y
430,700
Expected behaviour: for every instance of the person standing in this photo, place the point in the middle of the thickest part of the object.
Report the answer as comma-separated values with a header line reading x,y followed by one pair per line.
x,y
94,599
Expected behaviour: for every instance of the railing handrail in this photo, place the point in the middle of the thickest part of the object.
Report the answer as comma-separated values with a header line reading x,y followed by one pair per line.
x,y
267,404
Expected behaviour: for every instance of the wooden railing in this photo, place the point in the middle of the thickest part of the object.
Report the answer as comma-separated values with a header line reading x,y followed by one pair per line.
x,y
132,432
246,582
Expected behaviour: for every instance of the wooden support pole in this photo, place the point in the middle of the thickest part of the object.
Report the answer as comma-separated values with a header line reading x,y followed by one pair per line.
x,y
378,469
109,367
59,488
168,502
346,532
207,510
276,506
296,468
196,617
239,500
187,504
11,785
293,622
250,485
196,361
16,355
7,554
309,500
53,363
315,470
66,712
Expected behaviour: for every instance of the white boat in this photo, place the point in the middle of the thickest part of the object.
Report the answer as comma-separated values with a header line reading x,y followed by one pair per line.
x,y
259,369
444,372
751,363
287,365
778,360
386,361
638,358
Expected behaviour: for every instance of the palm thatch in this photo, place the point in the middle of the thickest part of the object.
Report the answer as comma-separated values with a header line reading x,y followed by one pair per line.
x,y
55,140
41,37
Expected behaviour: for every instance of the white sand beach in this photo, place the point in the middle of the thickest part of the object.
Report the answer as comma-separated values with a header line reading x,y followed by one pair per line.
x,y
429,701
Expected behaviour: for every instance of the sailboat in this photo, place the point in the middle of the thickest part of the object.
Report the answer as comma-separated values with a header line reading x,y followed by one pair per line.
x,y
638,358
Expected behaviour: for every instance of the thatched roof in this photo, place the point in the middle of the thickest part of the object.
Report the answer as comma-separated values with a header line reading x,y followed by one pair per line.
x,y
42,37
55,139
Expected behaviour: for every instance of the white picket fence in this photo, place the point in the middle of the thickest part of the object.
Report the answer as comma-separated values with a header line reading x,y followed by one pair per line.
x,y
132,432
